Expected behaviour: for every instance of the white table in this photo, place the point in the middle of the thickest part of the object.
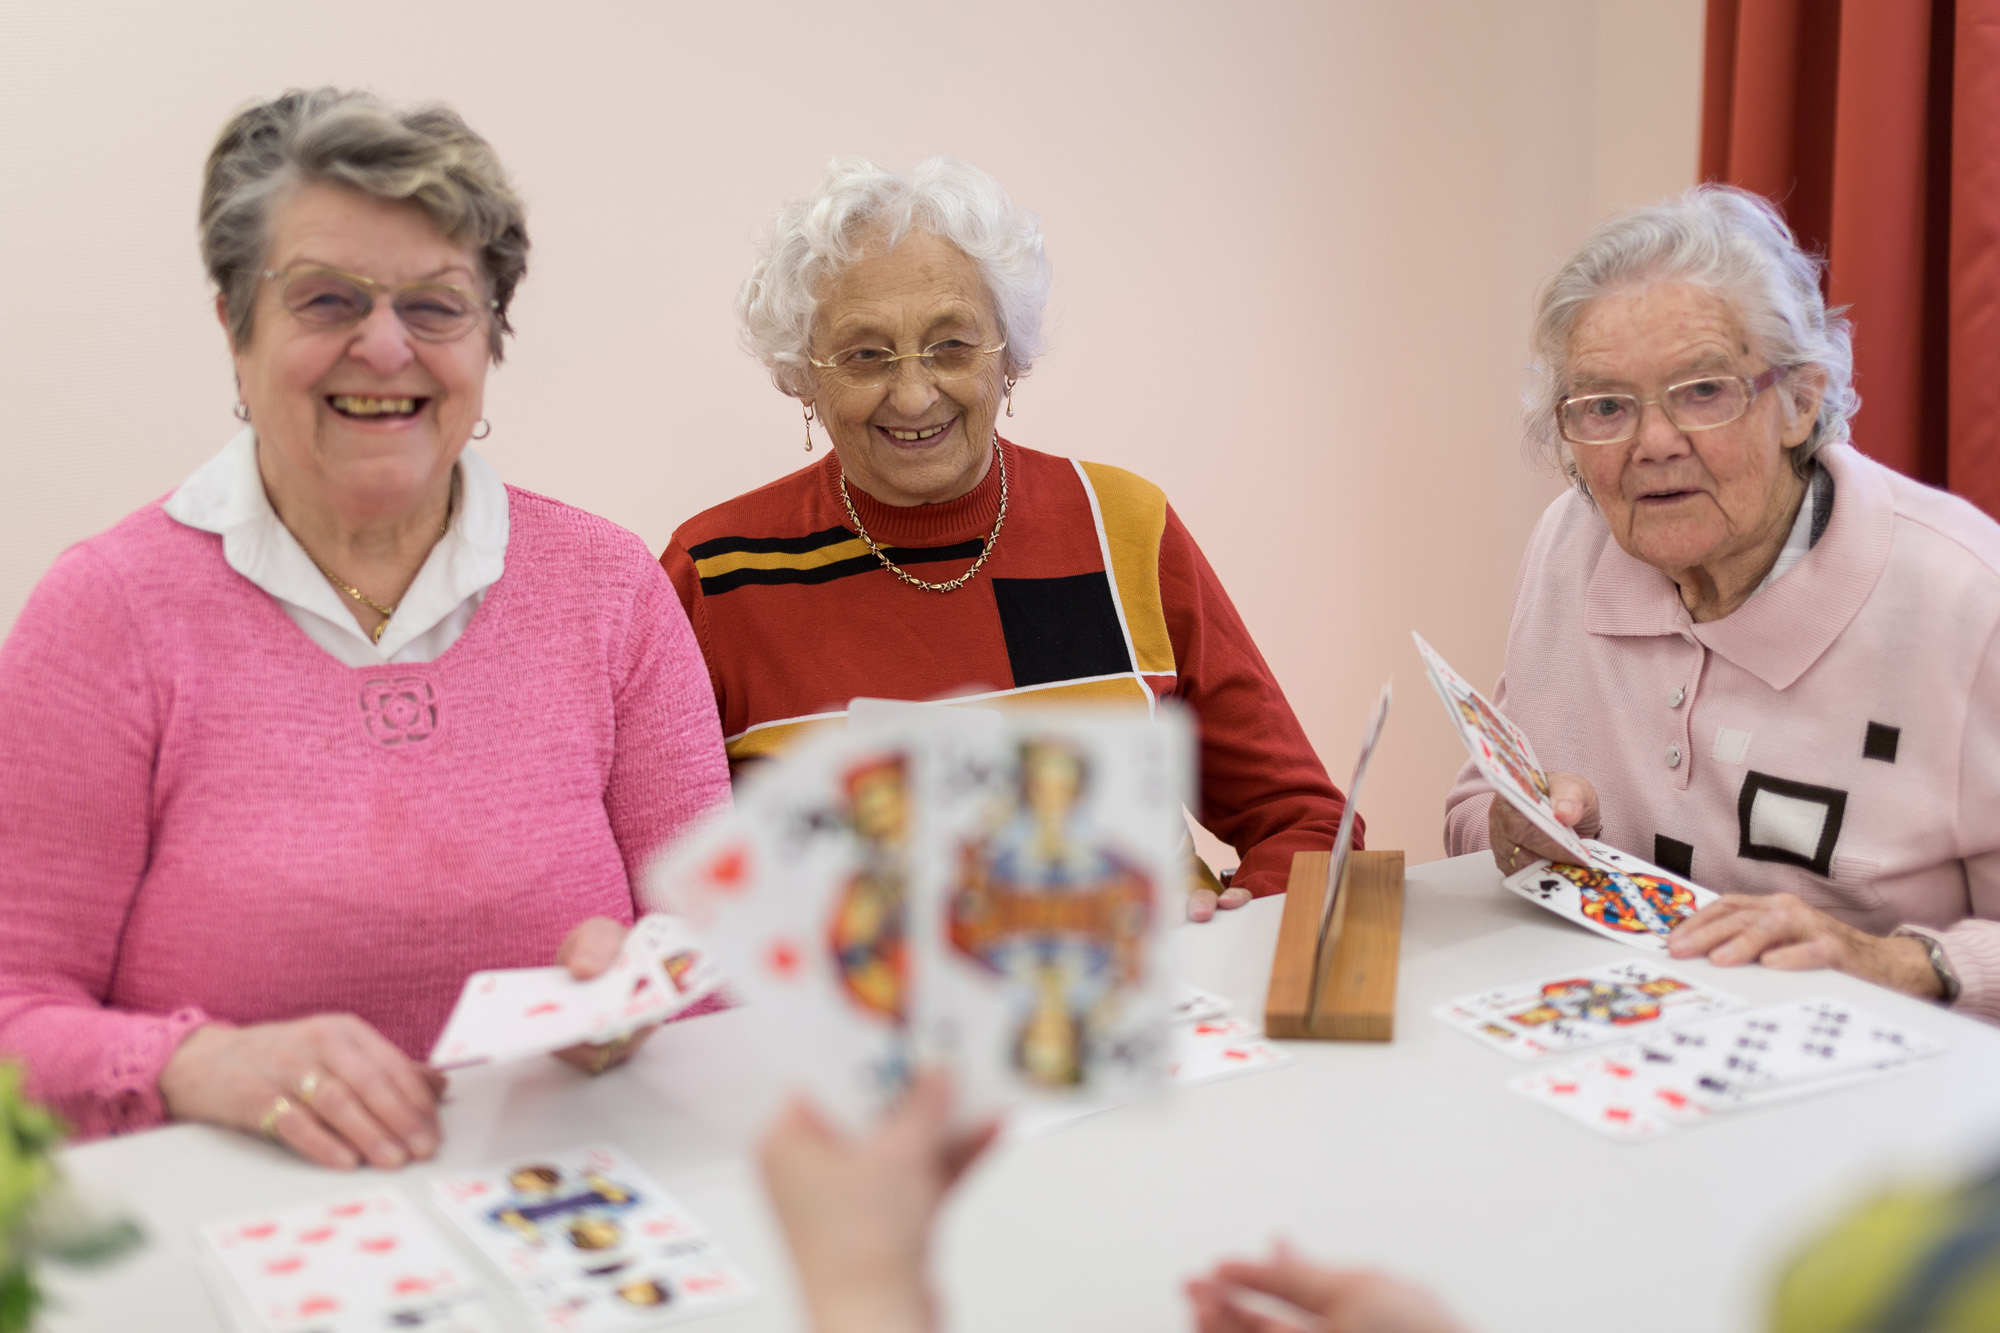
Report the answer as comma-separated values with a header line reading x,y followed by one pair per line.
x,y
1412,1156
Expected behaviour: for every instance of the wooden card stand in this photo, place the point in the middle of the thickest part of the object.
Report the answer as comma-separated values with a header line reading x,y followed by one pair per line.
x,y
1357,995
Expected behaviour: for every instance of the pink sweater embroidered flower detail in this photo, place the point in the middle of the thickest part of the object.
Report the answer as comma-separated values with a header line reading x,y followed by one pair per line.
x,y
207,818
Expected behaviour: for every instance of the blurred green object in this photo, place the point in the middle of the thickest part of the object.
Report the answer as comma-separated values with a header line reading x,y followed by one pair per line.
x,y
1910,1261
40,1216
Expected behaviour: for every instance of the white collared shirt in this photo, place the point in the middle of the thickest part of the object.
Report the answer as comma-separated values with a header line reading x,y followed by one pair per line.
x,y
226,496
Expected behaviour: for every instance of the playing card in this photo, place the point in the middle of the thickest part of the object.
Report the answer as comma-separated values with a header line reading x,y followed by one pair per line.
x,y
1619,896
1607,1095
1615,1002
589,1241
1192,1004
691,973
1215,1048
369,1261
1052,845
1500,750
507,1014
800,892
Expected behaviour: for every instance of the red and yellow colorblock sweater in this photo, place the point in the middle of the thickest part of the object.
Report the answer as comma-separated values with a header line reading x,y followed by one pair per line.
x,y
1094,591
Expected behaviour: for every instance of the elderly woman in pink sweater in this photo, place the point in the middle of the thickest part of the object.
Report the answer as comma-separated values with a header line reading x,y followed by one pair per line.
x,y
1743,649
287,756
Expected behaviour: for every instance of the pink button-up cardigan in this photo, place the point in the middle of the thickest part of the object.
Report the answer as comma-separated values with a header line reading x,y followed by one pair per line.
x,y
1836,737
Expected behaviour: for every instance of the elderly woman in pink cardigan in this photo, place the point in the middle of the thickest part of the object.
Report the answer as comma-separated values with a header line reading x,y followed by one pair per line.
x,y
287,756
1743,649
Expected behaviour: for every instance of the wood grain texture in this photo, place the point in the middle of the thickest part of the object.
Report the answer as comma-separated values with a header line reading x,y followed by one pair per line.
x,y
1357,997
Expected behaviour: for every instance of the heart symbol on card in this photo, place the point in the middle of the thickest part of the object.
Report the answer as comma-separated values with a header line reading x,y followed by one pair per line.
x,y
348,1209
316,1235
1617,1115
260,1231
663,1227
545,1007
1562,1089
728,871
380,1244
1236,1053
783,958
702,1283
412,1285
290,1263
312,1305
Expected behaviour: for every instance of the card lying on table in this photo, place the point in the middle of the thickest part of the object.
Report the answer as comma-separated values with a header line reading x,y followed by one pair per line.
x,y
1688,1075
511,1013
368,1261
589,1241
1615,1002
1618,896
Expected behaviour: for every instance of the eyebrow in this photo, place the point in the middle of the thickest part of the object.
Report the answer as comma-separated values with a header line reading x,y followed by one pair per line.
x,y
428,277
1701,365
865,326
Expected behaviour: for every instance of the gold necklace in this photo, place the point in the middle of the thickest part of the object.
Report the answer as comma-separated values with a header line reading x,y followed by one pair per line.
x,y
384,611
992,538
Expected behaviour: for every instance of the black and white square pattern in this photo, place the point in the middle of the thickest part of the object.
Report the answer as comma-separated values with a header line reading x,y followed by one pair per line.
x,y
1673,855
1881,742
1792,822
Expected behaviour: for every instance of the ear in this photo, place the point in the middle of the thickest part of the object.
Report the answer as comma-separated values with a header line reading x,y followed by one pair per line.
x,y
222,318
1804,389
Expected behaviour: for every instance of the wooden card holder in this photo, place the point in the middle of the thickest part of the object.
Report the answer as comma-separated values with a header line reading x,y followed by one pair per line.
x,y
1357,994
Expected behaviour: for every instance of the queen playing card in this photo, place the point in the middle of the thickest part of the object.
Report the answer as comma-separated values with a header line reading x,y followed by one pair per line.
x,y
1615,1002
1618,896
1053,850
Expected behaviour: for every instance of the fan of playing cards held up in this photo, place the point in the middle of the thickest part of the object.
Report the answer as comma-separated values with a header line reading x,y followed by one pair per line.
x,y
982,891
1600,888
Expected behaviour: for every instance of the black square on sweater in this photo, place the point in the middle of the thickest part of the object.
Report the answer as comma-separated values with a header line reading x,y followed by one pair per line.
x,y
1061,629
1673,856
1881,742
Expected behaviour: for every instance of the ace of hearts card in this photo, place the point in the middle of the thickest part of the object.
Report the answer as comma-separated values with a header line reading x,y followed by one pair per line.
x,y
1617,896
1052,864
801,892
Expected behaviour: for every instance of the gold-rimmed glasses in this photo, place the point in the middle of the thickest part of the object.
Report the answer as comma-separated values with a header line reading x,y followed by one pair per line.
x,y
1692,405
870,367
326,298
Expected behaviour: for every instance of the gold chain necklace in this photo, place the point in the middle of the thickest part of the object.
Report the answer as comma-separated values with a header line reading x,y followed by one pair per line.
x,y
992,538
384,611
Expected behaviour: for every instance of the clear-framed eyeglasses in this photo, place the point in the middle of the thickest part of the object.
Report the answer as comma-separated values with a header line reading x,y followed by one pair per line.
x,y
1692,405
326,298
871,367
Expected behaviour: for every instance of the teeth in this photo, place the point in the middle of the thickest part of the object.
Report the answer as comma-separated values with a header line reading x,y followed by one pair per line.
x,y
913,435
373,407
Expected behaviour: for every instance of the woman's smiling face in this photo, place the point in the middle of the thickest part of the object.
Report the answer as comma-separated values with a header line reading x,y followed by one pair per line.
x,y
914,440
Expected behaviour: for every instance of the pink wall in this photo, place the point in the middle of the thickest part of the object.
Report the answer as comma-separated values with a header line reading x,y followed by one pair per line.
x,y
1295,245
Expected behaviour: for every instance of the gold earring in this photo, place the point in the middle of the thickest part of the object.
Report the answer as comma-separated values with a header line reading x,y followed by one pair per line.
x,y
809,427
1010,395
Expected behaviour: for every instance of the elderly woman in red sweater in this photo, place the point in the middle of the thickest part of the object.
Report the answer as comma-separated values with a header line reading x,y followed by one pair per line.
x,y
928,556
287,756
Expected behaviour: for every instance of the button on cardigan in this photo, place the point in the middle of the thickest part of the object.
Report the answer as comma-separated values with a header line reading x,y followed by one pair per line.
x,y
1839,734
205,817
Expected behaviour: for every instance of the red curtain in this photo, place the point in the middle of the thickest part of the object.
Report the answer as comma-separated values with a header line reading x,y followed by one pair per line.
x,y
1875,124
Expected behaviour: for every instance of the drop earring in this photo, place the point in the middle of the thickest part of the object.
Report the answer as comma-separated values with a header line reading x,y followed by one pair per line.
x,y
1010,395
809,427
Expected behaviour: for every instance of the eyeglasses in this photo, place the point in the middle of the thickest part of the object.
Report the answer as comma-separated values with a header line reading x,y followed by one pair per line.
x,y
872,367
325,298
1692,405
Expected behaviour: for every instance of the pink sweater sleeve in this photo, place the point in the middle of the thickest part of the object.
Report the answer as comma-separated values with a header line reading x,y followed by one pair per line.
x,y
669,768
79,727
1972,947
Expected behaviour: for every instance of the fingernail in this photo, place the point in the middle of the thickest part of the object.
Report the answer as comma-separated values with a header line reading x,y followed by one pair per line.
x,y
394,1156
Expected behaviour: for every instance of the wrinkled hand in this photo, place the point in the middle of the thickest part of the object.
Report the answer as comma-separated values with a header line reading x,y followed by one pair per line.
x,y
857,1213
1516,842
348,1096
1782,931
1203,903
1342,1301
586,952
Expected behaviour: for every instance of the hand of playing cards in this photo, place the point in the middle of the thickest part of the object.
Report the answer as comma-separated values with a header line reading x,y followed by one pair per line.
x,y
950,886
1602,889
508,1014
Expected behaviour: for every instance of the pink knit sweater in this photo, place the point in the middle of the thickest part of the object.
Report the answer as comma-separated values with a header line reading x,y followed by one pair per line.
x,y
204,817
1836,737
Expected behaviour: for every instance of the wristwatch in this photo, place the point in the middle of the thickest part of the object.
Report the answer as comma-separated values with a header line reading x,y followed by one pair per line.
x,y
1947,979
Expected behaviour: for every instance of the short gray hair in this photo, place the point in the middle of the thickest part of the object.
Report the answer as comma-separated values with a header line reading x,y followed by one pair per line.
x,y
1733,243
426,155
858,204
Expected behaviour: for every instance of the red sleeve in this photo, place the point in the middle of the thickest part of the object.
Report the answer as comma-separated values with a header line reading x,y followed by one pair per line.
x,y
687,582
1263,790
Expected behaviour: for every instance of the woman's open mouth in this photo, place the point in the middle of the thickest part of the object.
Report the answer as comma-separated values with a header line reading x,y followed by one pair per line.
x,y
356,407
921,435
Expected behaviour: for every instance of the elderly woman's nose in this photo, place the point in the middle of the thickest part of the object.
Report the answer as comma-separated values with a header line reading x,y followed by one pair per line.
x,y
913,389
1659,438
381,342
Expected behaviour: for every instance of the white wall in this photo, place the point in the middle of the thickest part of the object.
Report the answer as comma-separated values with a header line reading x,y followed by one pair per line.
x,y
1295,244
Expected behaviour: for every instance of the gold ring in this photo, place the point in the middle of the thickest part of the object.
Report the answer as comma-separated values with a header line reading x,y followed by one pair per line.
x,y
611,1053
269,1122
308,1085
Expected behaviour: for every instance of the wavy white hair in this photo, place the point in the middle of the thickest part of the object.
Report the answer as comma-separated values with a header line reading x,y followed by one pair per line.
x,y
1733,243
860,205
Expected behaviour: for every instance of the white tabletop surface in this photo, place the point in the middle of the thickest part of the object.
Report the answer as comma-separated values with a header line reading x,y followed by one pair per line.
x,y
1412,1156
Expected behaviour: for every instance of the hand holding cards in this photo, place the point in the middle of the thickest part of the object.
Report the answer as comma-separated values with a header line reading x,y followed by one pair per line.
x,y
509,1014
